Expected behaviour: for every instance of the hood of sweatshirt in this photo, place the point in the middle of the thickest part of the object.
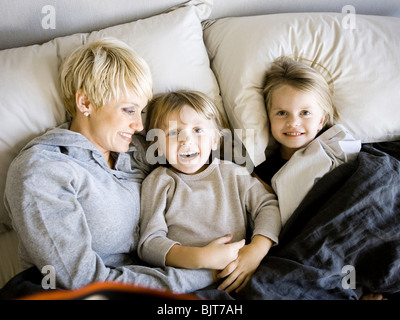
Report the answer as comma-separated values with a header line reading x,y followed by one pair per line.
x,y
61,139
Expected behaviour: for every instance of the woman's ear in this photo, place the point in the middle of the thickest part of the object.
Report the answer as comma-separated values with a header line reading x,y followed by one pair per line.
x,y
82,102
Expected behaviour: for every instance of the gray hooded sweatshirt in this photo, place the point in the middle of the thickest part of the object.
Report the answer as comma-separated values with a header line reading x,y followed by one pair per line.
x,y
74,213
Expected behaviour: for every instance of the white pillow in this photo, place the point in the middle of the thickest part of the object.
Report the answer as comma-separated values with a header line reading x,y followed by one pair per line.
x,y
363,63
171,43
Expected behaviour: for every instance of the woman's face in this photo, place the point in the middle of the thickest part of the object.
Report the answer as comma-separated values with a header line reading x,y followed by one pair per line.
x,y
189,140
295,118
110,127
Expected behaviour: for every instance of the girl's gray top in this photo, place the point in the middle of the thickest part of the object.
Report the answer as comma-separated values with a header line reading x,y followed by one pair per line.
x,y
75,214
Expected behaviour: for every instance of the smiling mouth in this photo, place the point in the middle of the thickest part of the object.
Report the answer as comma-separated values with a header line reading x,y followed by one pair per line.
x,y
293,134
126,135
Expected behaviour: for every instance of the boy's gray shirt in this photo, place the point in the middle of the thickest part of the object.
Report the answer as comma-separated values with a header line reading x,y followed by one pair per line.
x,y
74,213
193,210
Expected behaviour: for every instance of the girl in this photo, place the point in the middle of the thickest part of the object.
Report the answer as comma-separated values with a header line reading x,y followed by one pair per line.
x,y
301,116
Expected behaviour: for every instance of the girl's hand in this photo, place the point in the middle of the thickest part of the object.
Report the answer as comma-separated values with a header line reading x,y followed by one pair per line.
x,y
238,273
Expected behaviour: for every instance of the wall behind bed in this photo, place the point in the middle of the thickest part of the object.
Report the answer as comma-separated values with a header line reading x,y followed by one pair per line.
x,y
236,8
21,20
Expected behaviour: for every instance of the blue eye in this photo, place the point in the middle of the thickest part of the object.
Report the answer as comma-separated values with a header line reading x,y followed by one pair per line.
x,y
198,130
305,113
281,113
173,133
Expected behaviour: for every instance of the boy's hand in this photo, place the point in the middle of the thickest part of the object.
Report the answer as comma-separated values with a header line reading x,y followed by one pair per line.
x,y
221,252
215,255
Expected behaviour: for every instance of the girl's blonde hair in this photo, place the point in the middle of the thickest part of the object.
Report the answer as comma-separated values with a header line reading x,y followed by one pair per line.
x,y
104,71
162,105
287,71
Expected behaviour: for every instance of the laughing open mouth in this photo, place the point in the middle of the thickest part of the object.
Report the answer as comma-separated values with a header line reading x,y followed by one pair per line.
x,y
188,155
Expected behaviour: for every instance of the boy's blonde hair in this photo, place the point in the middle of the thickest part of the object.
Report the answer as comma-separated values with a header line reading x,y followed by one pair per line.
x,y
162,105
287,71
104,71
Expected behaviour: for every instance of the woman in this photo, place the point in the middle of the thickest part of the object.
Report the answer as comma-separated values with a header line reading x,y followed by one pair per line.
x,y
74,193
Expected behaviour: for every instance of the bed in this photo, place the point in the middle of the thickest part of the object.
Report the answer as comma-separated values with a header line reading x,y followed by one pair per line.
x,y
222,48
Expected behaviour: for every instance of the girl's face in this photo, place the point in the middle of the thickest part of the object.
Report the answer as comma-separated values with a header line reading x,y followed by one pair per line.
x,y
189,140
295,118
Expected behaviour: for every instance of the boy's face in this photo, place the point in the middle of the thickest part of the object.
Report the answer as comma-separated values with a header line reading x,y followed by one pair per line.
x,y
295,118
189,140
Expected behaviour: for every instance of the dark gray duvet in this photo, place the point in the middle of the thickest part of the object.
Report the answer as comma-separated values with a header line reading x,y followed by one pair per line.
x,y
343,240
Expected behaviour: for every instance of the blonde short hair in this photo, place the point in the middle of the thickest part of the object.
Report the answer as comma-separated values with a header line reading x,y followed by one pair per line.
x,y
287,71
104,71
162,105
